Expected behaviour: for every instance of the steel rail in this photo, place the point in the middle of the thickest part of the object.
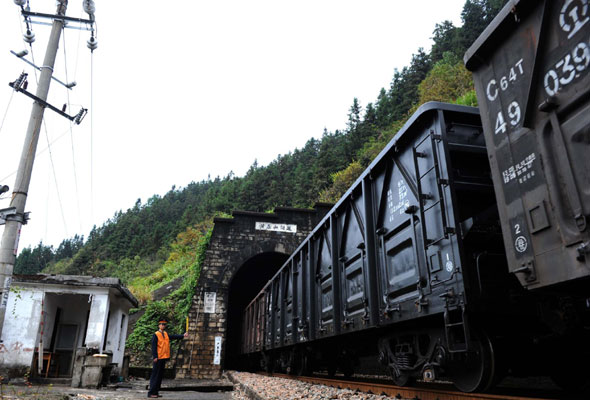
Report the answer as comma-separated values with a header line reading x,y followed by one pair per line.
x,y
400,392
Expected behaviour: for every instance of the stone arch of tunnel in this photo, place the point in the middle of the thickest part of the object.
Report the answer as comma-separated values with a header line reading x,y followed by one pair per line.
x,y
243,254
245,284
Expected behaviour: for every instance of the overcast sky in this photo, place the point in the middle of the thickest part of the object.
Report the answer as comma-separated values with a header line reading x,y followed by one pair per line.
x,y
183,90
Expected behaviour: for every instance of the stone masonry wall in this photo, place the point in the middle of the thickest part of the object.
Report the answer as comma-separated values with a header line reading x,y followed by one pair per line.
x,y
233,242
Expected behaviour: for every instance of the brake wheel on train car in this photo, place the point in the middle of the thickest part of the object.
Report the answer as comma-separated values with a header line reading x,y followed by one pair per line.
x,y
474,371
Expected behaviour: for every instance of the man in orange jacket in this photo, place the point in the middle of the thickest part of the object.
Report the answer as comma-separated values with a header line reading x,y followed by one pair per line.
x,y
160,354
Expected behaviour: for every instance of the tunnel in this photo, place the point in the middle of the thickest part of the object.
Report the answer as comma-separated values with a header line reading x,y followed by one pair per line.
x,y
246,283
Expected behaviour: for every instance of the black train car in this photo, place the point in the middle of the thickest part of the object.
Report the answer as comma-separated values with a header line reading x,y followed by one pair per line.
x,y
531,71
531,75
408,268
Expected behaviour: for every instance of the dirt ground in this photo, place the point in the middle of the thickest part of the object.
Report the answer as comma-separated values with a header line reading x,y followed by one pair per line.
x,y
171,390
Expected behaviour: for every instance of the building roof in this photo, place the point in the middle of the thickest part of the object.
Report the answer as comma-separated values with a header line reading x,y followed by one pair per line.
x,y
77,281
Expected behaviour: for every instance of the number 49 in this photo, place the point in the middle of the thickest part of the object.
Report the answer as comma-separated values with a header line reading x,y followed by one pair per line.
x,y
513,117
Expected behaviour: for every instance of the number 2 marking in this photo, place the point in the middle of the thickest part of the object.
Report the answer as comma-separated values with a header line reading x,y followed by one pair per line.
x,y
516,229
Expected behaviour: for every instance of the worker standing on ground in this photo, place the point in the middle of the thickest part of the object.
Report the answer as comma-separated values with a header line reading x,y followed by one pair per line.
x,y
160,354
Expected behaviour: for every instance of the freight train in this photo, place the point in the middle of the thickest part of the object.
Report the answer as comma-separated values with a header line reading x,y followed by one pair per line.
x,y
462,252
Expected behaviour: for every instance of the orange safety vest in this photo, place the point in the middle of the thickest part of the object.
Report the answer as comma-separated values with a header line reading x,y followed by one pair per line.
x,y
163,345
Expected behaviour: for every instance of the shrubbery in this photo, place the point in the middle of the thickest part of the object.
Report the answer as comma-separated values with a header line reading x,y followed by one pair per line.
x,y
185,261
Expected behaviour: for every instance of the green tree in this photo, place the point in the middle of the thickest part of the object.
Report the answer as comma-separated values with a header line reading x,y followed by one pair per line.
x,y
447,38
404,88
68,247
32,261
342,180
476,16
447,81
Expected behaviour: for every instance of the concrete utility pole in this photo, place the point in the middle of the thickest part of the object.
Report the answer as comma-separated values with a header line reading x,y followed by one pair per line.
x,y
9,245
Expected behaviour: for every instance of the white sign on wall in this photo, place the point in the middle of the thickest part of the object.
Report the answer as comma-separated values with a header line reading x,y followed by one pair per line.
x,y
269,226
217,353
210,302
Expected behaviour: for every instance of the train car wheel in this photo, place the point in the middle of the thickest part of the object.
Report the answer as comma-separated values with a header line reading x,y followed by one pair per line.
x,y
475,372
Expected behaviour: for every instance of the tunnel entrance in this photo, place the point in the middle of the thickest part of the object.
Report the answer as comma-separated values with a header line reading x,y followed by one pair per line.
x,y
244,252
246,283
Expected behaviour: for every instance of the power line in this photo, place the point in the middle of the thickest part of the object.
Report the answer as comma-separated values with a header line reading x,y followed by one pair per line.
x,y
12,94
6,112
50,154
92,135
29,38
13,225
71,133
63,217
77,51
61,135
47,204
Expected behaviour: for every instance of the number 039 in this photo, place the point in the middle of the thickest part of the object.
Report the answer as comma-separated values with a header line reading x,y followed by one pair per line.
x,y
514,116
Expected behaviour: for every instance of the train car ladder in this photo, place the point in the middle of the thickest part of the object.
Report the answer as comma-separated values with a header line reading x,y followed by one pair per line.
x,y
456,330
440,183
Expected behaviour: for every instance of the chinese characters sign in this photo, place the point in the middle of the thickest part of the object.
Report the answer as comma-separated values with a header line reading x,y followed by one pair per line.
x,y
217,351
269,226
210,302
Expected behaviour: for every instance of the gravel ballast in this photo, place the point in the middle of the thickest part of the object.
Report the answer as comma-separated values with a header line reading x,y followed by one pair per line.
x,y
258,387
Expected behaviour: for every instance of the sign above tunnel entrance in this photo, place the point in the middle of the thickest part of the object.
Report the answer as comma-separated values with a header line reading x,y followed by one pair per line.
x,y
269,226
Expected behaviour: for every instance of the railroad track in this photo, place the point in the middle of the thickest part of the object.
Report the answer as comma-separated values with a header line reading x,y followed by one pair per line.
x,y
438,393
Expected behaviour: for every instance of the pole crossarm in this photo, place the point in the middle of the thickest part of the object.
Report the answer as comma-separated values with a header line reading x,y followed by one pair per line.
x,y
10,214
68,86
76,118
63,18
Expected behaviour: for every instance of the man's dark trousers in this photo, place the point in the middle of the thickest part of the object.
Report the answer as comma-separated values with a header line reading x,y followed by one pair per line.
x,y
156,377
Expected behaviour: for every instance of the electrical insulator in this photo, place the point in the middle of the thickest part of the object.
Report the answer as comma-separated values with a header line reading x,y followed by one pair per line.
x,y
92,43
18,83
29,36
88,6
20,2
80,116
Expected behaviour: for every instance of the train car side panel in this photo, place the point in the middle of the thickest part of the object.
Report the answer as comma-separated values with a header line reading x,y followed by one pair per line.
x,y
352,262
289,301
325,305
531,75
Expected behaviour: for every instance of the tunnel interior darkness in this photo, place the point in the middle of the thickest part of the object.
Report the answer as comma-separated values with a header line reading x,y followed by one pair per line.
x,y
246,283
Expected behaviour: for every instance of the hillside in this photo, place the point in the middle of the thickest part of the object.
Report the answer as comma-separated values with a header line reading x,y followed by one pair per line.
x,y
162,239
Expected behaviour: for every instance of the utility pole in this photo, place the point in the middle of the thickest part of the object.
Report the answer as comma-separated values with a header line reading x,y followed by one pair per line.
x,y
9,244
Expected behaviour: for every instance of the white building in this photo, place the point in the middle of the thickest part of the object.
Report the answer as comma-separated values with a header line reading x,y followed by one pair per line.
x,y
53,315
